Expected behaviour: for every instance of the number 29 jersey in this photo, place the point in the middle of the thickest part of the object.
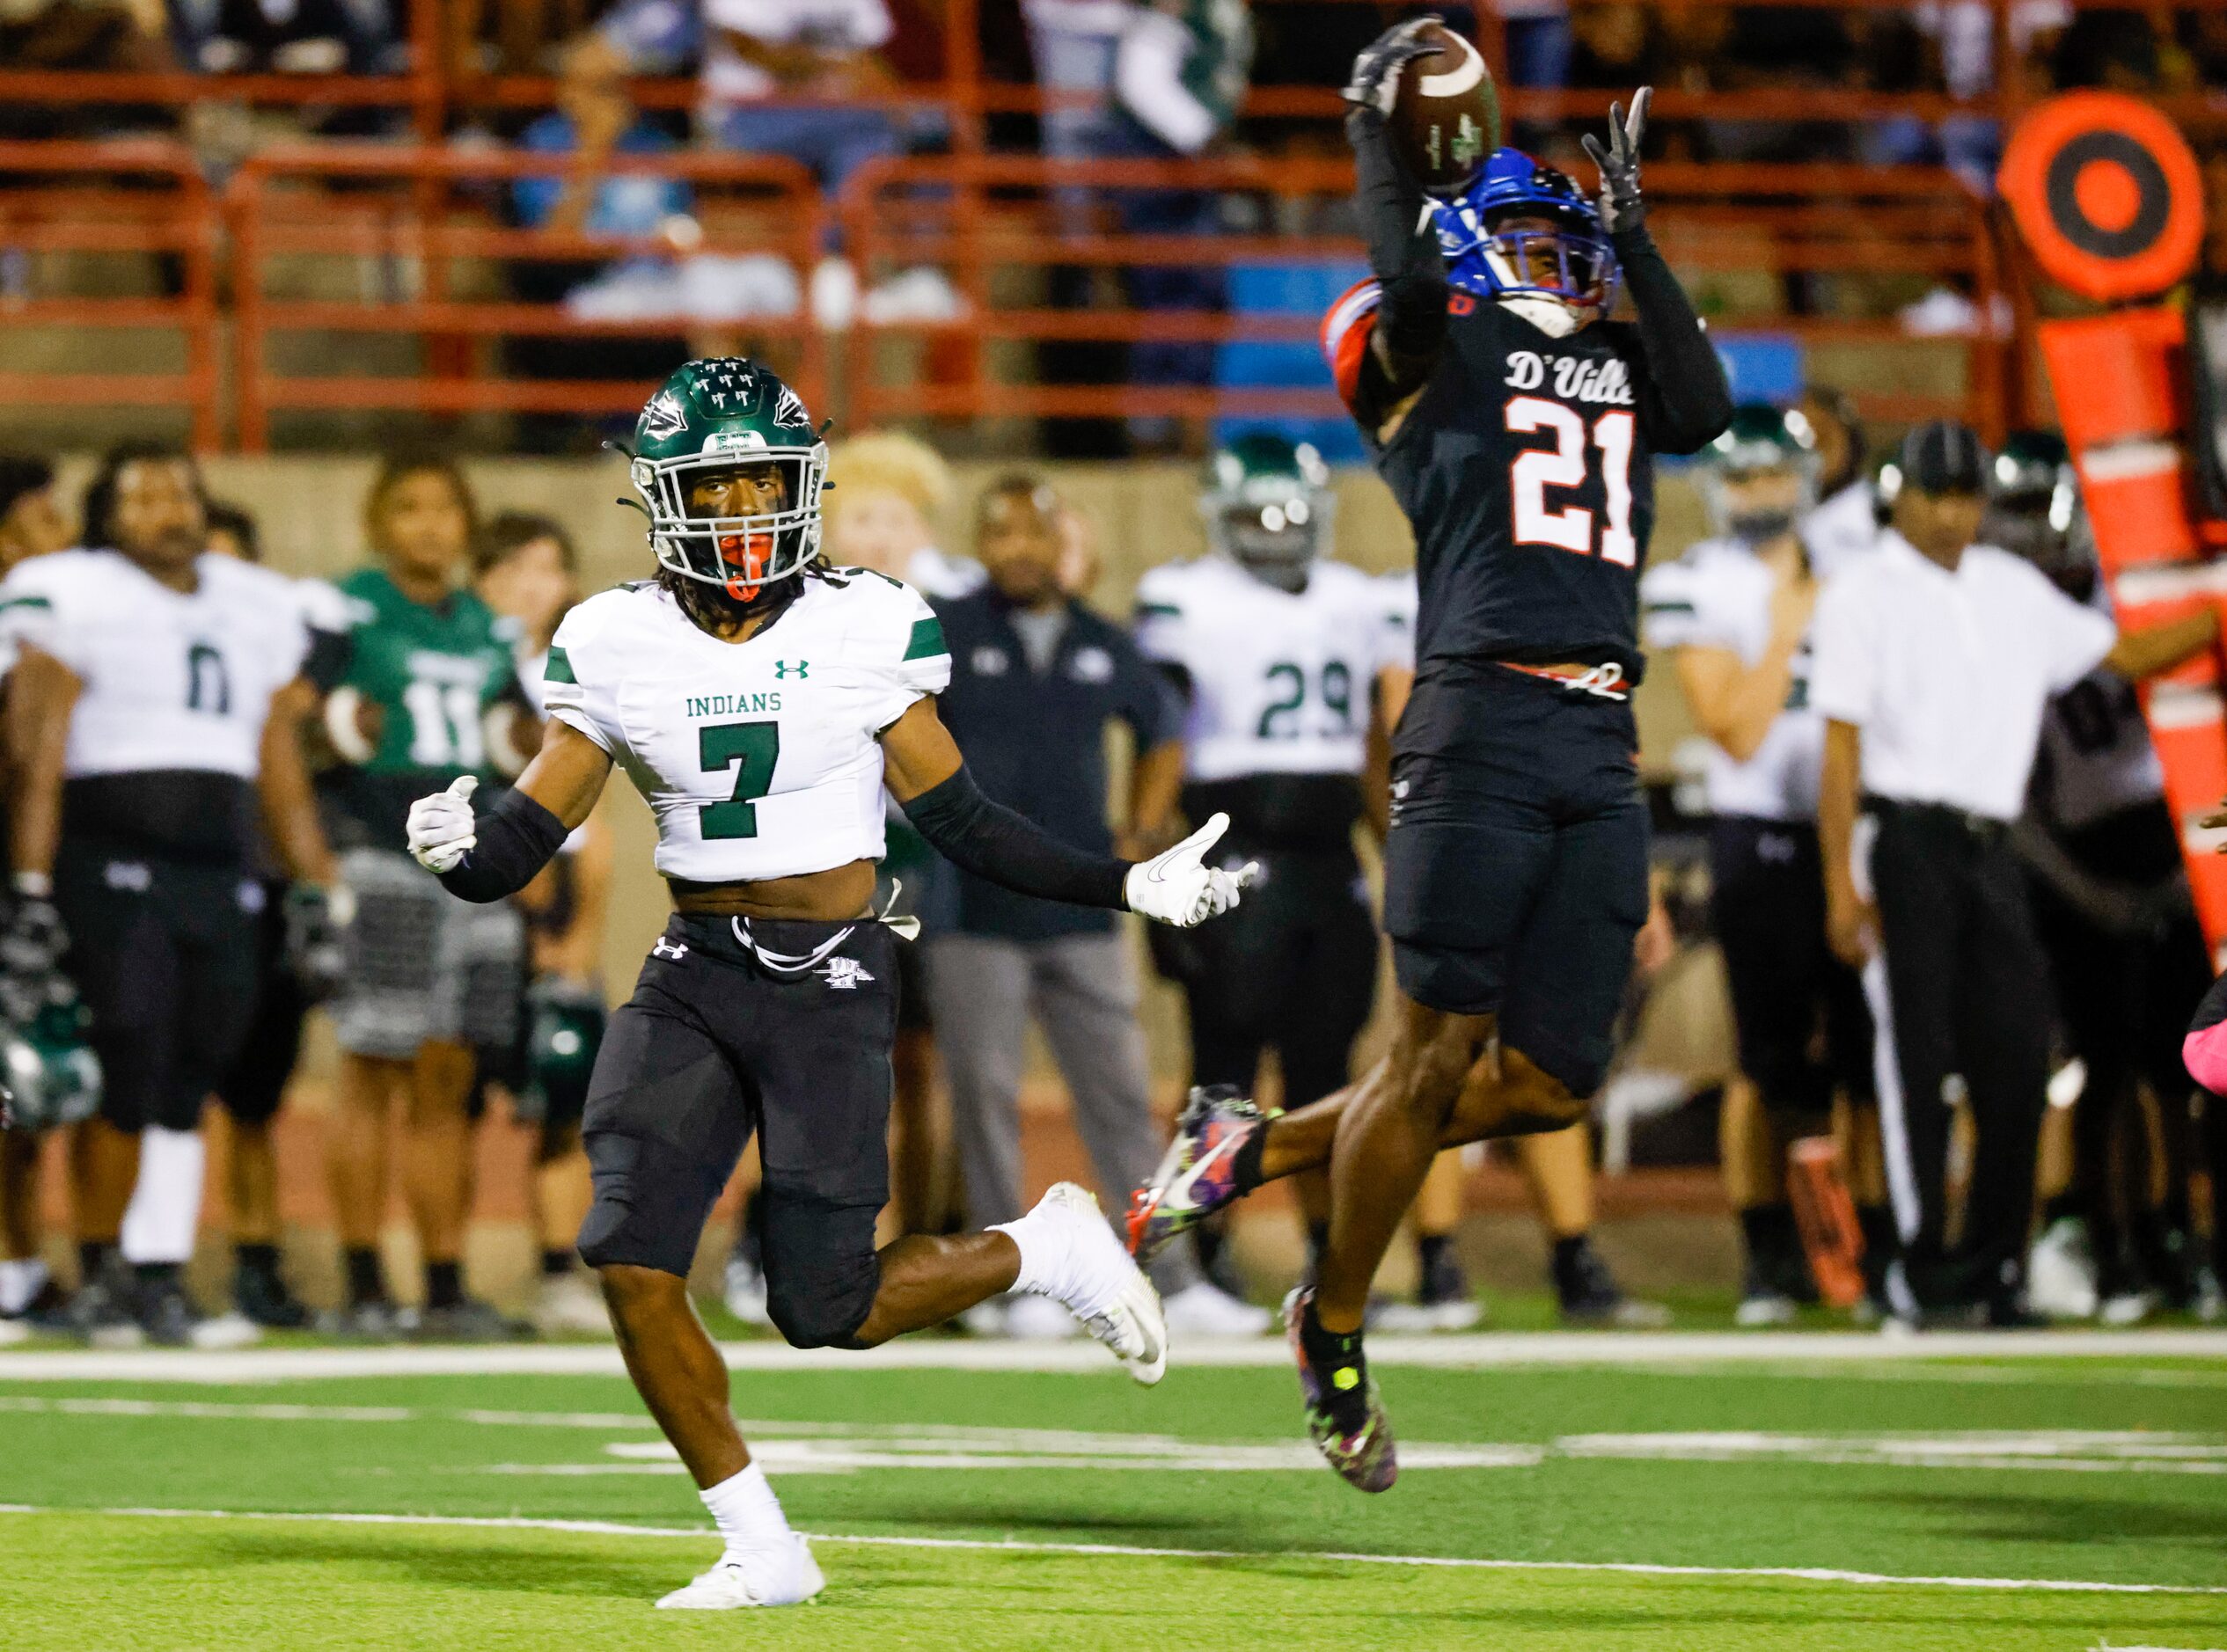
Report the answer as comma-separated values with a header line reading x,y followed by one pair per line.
x,y
1525,469
761,758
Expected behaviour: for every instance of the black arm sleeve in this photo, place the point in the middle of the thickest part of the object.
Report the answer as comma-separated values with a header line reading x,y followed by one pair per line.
x,y
1011,850
1687,402
1403,256
518,838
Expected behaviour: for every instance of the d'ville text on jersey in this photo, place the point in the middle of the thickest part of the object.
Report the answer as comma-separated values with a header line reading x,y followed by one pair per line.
x,y
1581,379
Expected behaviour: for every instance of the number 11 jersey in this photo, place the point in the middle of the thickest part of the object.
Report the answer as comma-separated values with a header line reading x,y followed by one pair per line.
x,y
760,758
1526,468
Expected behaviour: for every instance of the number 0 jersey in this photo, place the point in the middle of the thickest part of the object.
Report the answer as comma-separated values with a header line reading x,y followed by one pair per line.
x,y
760,759
167,733
1526,468
1280,680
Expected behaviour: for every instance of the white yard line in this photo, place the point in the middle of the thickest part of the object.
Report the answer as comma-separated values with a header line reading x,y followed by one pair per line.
x,y
1561,1348
1637,1568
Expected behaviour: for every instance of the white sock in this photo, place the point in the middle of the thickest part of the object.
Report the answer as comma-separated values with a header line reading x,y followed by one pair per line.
x,y
165,1212
747,1513
1041,1253
20,1282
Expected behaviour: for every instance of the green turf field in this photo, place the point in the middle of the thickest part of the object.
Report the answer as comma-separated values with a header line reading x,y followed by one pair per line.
x,y
993,1509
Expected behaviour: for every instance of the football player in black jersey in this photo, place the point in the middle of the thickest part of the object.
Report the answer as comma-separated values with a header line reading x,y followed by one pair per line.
x,y
1516,425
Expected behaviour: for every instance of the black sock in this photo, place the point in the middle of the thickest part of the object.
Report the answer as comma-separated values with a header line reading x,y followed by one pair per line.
x,y
1769,1231
1876,1224
1330,1353
93,1259
556,1264
1318,1241
1566,1252
255,1258
1244,1164
443,1284
364,1282
156,1275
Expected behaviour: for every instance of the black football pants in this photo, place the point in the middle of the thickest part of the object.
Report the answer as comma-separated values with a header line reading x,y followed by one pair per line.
x,y
1960,986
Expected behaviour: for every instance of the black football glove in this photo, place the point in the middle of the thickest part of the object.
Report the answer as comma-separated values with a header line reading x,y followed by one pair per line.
x,y
1621,207
317,937
1375,81
32,940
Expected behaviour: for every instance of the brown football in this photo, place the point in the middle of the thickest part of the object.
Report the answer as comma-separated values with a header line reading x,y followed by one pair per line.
x,y
1445,115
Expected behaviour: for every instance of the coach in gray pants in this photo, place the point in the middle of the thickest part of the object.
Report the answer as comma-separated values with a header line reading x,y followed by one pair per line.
x,y
1036,678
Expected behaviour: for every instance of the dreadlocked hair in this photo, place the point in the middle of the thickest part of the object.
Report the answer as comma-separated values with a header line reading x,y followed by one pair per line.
x,y
710,608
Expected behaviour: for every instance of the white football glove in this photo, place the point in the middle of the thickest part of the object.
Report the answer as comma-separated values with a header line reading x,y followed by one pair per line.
x,y
1173,888
441,826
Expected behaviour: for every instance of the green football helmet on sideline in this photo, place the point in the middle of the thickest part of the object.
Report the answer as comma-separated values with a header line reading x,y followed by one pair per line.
x,y
52,1079
2033,506
564,1031
1759,478
712,419
1267,504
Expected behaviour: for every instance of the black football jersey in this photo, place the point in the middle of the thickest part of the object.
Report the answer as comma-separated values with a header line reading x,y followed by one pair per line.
x,y
1525,469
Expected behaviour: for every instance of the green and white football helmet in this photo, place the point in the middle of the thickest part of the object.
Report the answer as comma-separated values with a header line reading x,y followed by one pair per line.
x,y
52,1079
1267,504
2034,509
714,417
1759,478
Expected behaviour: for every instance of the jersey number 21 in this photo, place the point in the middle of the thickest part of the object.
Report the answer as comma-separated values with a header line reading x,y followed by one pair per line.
x,y
1564,465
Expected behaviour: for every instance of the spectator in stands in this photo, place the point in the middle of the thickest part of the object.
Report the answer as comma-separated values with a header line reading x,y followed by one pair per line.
x,y
1036,678
284,37
79,34
888,491
1180,69
595,118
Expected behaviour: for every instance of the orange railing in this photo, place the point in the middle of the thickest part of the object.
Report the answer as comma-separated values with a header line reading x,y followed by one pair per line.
x,y
421,216
998,222
147,201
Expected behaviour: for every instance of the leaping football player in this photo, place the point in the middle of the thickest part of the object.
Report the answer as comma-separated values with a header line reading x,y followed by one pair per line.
x,y
760,700
1516,425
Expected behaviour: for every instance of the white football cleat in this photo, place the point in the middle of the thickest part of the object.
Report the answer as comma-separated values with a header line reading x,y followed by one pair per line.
x,y
1037,1319
745,1292
2061,1272
1206,1310
752,1577
570,1305
1101,1284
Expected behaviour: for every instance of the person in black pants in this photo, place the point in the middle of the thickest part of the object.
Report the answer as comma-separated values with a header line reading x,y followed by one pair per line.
x,y
1935,659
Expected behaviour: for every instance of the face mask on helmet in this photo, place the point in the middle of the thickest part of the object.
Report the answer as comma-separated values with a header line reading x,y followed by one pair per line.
x,y
1759,478
2033,511
1525,236
1268,506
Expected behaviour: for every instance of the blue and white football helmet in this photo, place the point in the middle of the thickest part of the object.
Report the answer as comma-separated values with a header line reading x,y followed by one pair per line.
x,y
1491,261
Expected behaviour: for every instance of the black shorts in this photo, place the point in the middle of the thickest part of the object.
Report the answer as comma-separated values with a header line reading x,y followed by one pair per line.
x,y
715,1045
1515,872
1798,1011
250,1091
164,952
1293,969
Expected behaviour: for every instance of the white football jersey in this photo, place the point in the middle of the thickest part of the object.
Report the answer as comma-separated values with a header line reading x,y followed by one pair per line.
x,y
1400,598
1718,596
759,758
1281,680
171,679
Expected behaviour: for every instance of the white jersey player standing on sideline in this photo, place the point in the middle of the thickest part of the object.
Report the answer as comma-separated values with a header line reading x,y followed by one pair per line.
x,y
760,700
1734,615
1276,652
140,728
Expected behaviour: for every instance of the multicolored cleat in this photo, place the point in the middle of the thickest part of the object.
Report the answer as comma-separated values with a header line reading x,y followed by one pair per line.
x,y
1198,1174
1354,1436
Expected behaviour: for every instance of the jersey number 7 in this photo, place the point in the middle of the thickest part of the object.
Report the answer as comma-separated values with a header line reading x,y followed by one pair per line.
x,y
750,749
1536,470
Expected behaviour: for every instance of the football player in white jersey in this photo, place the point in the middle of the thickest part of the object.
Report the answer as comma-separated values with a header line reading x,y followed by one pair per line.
x,y
141,728
2111,905
1845,520
1734,614
760,700
1276,652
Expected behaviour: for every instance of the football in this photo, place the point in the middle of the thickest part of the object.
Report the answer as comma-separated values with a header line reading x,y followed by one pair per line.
x,y
1446,115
